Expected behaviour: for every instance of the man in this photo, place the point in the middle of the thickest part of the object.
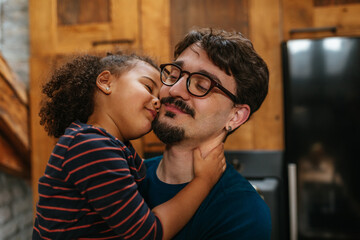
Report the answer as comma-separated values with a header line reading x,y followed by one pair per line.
x,y
215,83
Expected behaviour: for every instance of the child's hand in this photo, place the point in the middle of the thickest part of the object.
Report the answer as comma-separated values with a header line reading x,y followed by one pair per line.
x,y
211,167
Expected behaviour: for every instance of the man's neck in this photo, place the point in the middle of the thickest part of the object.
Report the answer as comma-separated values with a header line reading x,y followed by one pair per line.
x,y
177,167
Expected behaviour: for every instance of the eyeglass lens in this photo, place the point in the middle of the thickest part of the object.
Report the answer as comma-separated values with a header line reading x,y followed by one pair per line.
x,y
198,84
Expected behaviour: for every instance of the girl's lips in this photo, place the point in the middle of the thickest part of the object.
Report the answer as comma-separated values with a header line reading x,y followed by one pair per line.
x,y
153,113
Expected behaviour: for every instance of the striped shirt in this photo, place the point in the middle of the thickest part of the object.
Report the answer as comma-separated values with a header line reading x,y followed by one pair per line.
x,y
89,190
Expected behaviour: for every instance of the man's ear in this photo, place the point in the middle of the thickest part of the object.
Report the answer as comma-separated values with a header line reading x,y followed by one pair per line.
x,y
103,81
239,116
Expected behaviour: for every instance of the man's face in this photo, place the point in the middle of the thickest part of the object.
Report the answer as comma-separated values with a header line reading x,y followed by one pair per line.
x,y
185,117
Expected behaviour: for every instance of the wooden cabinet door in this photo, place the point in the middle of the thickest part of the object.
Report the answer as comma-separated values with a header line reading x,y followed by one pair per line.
x,y
320,18
62,27
65,26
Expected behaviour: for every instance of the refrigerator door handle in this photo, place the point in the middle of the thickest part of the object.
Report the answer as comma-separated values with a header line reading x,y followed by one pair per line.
x,y
293,201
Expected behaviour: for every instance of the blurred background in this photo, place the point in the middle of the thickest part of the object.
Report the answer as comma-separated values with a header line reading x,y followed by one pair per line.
x,y
298,150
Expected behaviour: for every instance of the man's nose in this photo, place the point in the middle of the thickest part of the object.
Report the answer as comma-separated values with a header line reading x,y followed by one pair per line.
x,y
179,89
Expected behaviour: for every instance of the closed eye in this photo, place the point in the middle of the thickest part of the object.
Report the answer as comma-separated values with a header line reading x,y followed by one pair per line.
x,y
149,88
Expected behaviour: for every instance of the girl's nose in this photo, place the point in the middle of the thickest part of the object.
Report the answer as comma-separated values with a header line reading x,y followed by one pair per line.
x,y
156,103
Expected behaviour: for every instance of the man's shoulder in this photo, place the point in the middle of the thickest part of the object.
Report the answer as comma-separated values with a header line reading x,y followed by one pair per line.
x,y
232,181
234,207
233,188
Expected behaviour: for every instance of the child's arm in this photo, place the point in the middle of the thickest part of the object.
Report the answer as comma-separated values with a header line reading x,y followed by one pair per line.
x,y
176,212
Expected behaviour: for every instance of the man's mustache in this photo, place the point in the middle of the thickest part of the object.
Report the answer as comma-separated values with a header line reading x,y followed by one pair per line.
x,y
182,105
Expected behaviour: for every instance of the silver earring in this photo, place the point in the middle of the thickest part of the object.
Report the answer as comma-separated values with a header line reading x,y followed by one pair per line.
x,y
229,129
107,88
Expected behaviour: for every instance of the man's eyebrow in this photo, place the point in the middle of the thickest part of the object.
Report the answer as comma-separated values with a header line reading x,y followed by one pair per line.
x,y
212,76
179,63
151,80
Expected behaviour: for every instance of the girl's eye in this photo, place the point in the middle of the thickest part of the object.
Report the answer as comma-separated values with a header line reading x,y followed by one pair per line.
x,y
149,88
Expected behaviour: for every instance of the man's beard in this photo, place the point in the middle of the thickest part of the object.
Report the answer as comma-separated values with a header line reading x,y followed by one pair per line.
x,y
171,134
166,133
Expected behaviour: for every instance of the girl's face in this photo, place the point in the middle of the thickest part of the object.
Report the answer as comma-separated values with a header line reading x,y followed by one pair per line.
x,y
133,102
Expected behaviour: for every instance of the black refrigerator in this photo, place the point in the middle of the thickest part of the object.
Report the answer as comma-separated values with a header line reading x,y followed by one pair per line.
x,y
322,130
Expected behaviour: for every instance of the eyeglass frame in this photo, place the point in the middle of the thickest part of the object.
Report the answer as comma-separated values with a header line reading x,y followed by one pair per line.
x,y
213,82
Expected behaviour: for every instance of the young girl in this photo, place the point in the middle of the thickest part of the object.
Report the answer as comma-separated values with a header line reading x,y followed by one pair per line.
x,y
95,106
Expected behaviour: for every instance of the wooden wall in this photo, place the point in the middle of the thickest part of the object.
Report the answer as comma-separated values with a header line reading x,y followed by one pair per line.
x,y
14,124
56,33
154,26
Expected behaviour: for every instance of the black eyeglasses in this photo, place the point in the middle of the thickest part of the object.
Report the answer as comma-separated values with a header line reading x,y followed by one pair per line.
x,y
197,84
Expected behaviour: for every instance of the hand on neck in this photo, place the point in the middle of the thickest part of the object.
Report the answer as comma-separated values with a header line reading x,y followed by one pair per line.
x,y
176,167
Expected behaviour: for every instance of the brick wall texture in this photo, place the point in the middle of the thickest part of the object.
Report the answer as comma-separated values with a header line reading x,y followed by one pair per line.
x,y
14,36
16,214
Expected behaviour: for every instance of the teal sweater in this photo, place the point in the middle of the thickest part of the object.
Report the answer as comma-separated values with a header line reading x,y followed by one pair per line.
x,y
232,210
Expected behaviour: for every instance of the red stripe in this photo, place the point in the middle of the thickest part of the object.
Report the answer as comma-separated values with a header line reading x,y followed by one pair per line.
x,y
41,235
92,163
70,229
136,230
99,130
102,172
89,140
62,197
76,124
140,179
112,193
155,230
89,151
112,204
52,166
58,156
68,136
64,209
57,179
121,208
91,213
62,145
54,187
127,218
154,225
105,183
57,220
97,238
142,162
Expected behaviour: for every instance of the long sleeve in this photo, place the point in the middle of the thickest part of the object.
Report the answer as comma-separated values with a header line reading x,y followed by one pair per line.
x,y
90,189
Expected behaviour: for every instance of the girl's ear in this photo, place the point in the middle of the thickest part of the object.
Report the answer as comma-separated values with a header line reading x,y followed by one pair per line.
x,y
239,116
103,82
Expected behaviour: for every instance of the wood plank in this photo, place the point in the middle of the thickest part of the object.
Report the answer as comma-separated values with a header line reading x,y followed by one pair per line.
x,y
346,18
296,14
319,3
226,14
308,19
41,144
14,111
12,79
11,162
42,22
266,37
125,19
155,42
70,12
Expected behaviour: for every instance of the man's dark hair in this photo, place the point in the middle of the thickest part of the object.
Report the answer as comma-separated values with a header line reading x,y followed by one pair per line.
x,y
235,55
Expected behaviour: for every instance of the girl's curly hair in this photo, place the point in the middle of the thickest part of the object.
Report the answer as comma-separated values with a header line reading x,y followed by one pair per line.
x,y
69,93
